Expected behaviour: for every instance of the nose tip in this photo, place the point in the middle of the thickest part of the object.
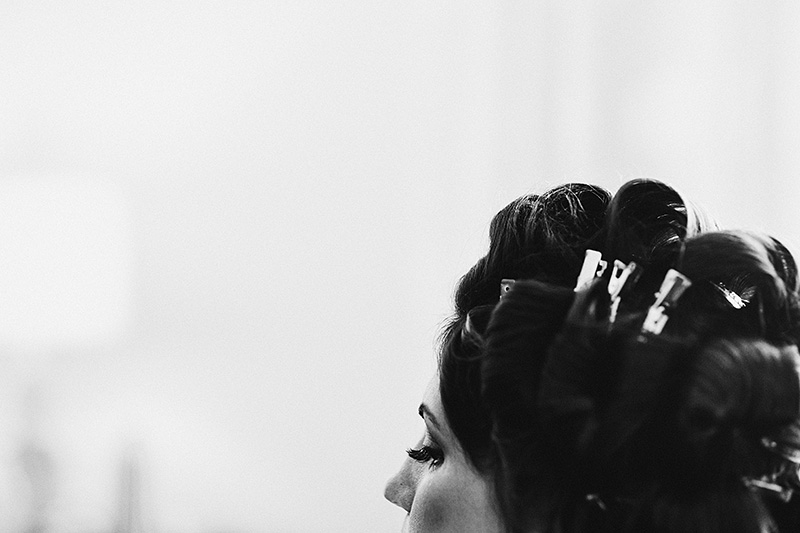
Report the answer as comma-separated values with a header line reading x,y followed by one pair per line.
x,y
388,490
391,490
399,490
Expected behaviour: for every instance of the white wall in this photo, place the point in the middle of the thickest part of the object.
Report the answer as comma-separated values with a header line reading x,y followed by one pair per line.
x,y
230,230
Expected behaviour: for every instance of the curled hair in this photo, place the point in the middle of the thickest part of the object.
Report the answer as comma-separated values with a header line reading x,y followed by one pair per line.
x,y
709,443
519,333
541,236
756,267
736,392
677,429
646,217
536,236
646,221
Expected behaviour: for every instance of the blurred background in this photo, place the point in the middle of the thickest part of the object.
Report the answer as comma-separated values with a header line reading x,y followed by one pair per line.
x,y
230,231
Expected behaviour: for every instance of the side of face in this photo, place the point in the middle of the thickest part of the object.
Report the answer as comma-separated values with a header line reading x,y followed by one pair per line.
x,y
437,485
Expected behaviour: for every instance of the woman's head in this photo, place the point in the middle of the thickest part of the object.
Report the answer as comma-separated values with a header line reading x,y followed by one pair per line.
x,y
534,236
540,237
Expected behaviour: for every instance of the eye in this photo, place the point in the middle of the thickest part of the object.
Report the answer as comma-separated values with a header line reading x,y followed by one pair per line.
x,y
426,454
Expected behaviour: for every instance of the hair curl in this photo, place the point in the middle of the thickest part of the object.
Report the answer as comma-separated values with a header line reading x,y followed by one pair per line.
x,y
673,431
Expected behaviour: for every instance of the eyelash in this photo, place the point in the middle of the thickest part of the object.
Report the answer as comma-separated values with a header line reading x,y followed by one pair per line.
x,y
427,453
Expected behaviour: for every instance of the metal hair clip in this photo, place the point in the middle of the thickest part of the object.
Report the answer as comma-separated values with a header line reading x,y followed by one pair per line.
x,y
765,483
505,286
621,275
596,500
736,301
469,328
593,266
667,296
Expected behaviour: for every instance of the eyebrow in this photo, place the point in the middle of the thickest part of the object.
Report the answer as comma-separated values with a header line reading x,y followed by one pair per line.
x,y
425,412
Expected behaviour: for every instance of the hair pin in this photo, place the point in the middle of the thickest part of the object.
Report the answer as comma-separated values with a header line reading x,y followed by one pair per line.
x,y
672,288
736,301
593,266
784,493
622,275
505,286
596,500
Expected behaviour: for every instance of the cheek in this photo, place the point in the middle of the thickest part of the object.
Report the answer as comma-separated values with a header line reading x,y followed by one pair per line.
x,y
453,502
432,504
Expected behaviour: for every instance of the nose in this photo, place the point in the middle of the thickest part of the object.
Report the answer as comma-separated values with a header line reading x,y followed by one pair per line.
x,y
401,487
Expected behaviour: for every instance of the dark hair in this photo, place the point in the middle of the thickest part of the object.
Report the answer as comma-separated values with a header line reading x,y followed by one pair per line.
x,y
644,221
630,430
537,235
541,236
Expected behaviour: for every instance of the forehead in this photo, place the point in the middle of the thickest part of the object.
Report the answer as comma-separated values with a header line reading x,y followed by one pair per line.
x,y
432,398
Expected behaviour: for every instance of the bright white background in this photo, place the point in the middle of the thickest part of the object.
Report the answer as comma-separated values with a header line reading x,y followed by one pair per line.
x,y
229,230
